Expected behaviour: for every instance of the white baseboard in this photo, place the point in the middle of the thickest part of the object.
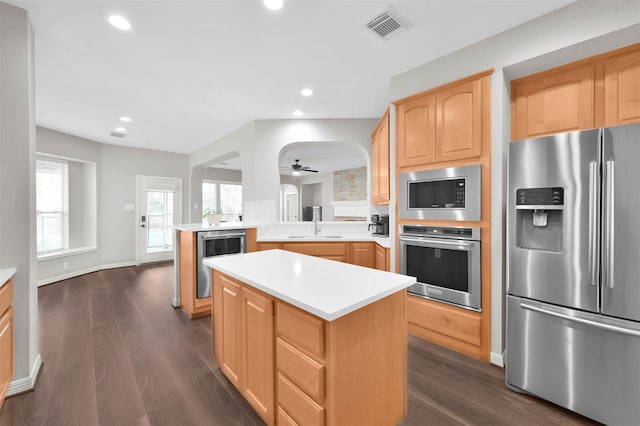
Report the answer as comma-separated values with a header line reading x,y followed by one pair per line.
x,y
74,274
26,383
497,359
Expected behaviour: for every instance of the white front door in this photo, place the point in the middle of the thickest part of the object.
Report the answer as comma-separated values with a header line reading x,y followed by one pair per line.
x,y
159,207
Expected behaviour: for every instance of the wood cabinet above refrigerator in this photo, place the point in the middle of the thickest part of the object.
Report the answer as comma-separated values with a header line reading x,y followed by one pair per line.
x,y
598,91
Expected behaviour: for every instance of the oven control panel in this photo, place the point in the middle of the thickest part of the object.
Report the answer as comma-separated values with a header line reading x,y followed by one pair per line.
x,y
456,232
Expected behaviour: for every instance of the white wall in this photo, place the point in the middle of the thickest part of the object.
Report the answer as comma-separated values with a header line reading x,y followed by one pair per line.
x,y
319,194
259,144
117,167
579,30
17,187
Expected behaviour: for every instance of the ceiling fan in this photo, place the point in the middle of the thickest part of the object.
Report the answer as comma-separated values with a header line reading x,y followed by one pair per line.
x,y
297,168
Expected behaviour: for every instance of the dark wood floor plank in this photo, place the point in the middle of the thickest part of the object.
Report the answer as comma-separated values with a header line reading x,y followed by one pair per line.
x,y
116,353
117,395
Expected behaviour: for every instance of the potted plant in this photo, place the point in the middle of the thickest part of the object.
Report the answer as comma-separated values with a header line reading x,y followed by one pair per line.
x,y
213,216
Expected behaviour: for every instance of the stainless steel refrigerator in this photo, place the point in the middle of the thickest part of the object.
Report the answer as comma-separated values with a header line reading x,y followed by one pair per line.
x,y
573,274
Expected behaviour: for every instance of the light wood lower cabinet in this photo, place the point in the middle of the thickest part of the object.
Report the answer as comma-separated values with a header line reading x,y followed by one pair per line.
x,y
193,306
244,341
297,369
362,254
381,258
332,251
6,339
452,327
189,301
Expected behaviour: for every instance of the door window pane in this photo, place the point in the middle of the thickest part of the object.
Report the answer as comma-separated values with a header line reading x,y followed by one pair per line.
x,y
159,221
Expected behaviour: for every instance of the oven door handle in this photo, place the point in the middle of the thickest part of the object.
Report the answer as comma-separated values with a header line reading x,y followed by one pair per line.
x,y
220,237
439,243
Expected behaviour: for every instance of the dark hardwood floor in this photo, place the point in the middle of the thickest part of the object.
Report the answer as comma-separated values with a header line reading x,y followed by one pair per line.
x,y
115,352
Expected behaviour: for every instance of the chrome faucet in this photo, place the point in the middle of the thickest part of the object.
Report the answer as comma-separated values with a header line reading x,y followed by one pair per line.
x,y
316,225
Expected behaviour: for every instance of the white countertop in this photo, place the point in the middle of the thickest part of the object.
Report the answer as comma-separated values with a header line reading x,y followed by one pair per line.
x,y
6,274
197,227
325,238
325,288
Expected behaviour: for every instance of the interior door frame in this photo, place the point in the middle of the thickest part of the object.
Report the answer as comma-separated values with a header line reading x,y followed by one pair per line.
x,y
144,183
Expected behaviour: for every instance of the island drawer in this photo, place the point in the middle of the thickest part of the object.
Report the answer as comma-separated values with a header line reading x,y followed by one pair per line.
x,y
298,405
6,296
301,370
303,331
284,419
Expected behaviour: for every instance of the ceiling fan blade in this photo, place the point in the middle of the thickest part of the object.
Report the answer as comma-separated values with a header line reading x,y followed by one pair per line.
x,y
306,169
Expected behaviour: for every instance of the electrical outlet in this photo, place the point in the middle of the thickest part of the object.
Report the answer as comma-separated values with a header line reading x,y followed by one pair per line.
x,y
65,266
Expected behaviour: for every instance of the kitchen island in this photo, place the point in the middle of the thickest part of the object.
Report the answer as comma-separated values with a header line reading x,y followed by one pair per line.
x,y
311,341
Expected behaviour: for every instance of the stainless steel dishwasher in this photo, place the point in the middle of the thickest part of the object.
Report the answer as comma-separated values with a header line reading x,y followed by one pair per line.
x,y
216,243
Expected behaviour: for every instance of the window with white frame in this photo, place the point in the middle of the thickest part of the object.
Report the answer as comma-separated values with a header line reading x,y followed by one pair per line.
x,y
222,196
52,205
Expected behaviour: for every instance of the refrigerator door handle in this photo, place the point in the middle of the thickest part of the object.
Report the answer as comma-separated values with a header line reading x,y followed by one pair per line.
x,y
609,256
593,224
584,321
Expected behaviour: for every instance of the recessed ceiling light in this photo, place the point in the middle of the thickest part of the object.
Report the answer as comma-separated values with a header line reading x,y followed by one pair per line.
x,y
125,119
120,129
306,92
119,22
273,4
298,113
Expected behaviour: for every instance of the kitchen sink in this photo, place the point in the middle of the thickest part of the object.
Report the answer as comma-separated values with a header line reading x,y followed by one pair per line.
x,y
298,236
331,236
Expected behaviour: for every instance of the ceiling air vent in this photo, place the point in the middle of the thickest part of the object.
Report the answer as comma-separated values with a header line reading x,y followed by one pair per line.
x,y
118,135
388,23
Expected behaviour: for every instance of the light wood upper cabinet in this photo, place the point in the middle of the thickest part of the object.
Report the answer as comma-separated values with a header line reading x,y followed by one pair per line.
x,y
622,89
380,162
443,124
458,122
416,131
555,102
602,90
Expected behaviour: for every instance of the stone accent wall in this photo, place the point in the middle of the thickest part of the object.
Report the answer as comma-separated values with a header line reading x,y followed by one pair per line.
x,y
350,184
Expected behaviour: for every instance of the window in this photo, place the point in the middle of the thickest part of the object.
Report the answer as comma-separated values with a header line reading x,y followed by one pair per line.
x,y
224,196
52,205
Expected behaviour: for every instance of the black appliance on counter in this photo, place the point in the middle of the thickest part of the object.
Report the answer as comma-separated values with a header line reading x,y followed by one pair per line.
x,y
380,225
312,214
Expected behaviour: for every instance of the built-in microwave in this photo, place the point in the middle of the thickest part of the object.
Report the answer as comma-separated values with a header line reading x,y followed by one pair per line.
x,y
451,193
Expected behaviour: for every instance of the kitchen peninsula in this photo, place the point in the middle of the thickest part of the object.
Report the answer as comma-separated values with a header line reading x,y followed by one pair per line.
x,y
312,341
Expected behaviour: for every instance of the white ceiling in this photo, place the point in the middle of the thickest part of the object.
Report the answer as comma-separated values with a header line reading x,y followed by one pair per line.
x,y
192,71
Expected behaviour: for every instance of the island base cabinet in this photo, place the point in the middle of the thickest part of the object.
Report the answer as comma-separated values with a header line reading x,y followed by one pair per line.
x,y
295,368
244,341
350,371
6,339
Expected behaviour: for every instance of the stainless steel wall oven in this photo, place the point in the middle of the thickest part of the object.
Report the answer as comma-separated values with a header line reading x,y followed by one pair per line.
x,y
445,261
